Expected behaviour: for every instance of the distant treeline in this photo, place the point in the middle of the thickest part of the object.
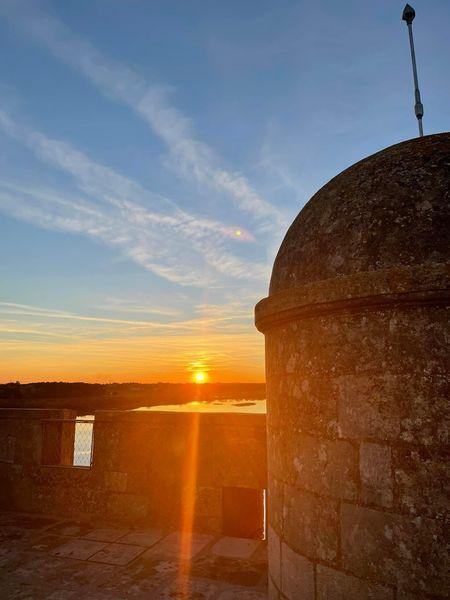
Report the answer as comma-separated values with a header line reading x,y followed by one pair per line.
x,y
85,397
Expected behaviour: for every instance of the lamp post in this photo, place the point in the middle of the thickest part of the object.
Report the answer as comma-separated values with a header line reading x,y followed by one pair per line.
x,y
408,15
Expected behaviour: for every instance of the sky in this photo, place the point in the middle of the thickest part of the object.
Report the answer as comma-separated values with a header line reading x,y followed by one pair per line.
x,y
153,154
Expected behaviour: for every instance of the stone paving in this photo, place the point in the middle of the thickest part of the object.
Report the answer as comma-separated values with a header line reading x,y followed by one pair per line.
x,y
43,557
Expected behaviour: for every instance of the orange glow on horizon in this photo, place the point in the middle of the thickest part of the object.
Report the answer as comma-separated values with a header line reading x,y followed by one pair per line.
x,y
142,359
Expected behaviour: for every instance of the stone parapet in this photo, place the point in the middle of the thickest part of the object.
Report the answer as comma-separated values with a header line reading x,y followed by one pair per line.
x,y
147,467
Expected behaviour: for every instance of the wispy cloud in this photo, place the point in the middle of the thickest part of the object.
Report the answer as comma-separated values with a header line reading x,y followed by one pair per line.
x,y
216,318
148,228
190,157
127,306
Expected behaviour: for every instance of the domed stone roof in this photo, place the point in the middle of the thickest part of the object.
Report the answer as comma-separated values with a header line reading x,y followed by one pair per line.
x,y
391,209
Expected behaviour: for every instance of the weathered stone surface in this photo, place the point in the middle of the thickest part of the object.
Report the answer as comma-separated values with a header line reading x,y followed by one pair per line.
x,y
72,528
356,329
275,503
38,574
327,467
395,406
274,553
116,481
235,547
117,554
142,538
297,575
140,466
272,590
395,549
208,501
106,534
397,204
422,481
180,545
127,507
189,588
335,585
236,593
311,524
375,462
77,548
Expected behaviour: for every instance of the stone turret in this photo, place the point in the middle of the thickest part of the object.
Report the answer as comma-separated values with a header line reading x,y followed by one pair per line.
x,y
356,328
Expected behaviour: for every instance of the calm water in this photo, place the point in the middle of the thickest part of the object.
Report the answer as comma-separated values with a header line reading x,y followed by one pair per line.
x,y
214,406
84,431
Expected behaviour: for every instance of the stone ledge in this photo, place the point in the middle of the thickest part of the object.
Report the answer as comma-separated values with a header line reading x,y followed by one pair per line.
x,y
414,286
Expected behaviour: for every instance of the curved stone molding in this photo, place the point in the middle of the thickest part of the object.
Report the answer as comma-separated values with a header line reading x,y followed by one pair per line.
x,y
415,286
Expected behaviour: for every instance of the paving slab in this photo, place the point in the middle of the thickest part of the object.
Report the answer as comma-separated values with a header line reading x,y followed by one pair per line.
x,y
180,546
37,563
78,548
230,570
148,537
233,547
106,534
90,575
71,528
239,593
34,522
49,542
140,579
190,588
117,554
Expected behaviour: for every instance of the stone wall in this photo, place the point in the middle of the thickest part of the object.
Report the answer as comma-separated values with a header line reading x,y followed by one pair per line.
x,y
357,499
162,468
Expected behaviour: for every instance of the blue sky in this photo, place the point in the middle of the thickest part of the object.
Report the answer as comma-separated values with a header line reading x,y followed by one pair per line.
x,y
137,138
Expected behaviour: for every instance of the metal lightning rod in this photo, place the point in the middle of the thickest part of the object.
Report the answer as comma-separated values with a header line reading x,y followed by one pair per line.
x,y
408,15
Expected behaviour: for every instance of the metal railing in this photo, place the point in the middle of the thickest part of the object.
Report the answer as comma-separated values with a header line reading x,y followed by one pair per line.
x,y
67,442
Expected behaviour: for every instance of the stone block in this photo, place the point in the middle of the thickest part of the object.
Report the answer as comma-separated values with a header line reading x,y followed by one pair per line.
x,y
115,481
326,467
208,501
274,556
308,404
394,406
310,524
375,464
272,591
127,507
297,575
421,481
394,549
367,408
240,458
336,585
232,547
275,503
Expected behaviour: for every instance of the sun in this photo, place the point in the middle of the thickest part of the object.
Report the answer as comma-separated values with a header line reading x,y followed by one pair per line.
x,y
200,377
